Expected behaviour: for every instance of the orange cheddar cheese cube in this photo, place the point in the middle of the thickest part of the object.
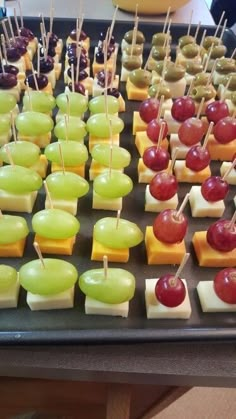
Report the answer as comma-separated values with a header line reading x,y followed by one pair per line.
x,y
114,255
57,247
97,168
183,174
145,175
209,257
159,253
41,166
138,123
136,93
142,142
222,152
99,140
41,140
14,249
78,170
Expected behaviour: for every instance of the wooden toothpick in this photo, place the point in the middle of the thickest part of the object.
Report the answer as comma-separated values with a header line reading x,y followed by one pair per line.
x,y
39,253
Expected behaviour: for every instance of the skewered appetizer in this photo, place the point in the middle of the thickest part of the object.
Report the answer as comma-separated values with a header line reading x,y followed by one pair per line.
x,y
14,231
9,287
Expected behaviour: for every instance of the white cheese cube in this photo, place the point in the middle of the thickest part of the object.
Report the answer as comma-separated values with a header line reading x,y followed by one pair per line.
x,y
177,88
17,202
156,310
210,302
154,205
53,302
202,208
176,143
173,125
93,306
98,90
183,174
68,205
124,75
231,178
99,202
223,92
231,106
9,298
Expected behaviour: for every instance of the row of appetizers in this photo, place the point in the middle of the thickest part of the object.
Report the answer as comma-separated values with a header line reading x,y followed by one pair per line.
x,y
50,284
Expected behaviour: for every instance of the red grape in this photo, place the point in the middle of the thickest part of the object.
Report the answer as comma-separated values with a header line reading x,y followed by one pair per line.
x,y
169,228
197,158
214,188
216,110
148,109
156,159
169,291
191,131
225,130
225,285
153,130
183,108
163,186
221,237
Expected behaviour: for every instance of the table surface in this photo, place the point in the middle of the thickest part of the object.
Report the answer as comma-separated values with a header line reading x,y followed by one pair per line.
x,y
70,8
196,364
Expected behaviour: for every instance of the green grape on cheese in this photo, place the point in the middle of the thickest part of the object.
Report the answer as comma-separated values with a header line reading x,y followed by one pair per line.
x,y
7,102
115,157
55,224
67,185
8,277
102,125
19,180
32,123
23,153
74,153
98,104
12,229
39,101
122,236
112,185
77,103
76,129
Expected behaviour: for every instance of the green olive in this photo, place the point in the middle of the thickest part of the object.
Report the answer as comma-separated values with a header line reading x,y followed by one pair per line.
x,y
163,91
190,50
158,53
140,78
232,84
131,62
233,98
193,67
140,39
201,79
225,66
160,38
137,49
218,51
209,40
159,67
198,92
185,40
174,72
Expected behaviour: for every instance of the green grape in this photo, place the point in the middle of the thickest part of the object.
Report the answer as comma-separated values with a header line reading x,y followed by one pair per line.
x,y
102,153
112,185
116,288
8,277
101,125
39,102
76,129
74,153
54,277
55,224
67,185
5,124
122,236
7,102
19,180
78,104
98,104
33,123
12,229
23,153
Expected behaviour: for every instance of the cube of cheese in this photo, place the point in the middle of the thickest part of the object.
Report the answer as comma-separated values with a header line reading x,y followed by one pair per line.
x,y
93,306
41,140
222,152
136,93
99,140
176,143
177,88
78,170
17,202
145,175
13,250
97,168
173,125
202,208
209,300
55,246
113,255
62,300
159,253
142,142
154,205
68,205
41,166
183,174
231,178
156,310
138,123
209,257
112,204
9,298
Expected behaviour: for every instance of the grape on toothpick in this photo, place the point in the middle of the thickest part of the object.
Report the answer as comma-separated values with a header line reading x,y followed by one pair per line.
x,y
170,289
221,235
183,108
198,157
225,285
170,226
215,188
192,129
164,184
154,126
225,130
156,158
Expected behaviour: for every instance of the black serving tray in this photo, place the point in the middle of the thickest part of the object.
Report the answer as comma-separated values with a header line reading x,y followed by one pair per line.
x,y
22,326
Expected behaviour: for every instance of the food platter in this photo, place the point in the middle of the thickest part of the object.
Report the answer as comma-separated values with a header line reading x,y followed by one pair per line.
x,y
22,326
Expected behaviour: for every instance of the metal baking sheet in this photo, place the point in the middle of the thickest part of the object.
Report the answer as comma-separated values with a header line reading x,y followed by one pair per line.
x,y
22,326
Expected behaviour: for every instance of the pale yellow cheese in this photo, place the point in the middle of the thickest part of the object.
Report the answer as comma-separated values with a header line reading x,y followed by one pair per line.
x,y
209,300
62,300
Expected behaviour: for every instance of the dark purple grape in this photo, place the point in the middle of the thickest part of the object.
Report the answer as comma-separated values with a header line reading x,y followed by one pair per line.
x,y
101,78
83,62
73,47
99,57
51,51
46,65
27,33
102,37
13,54
82,74
113,92
82,37
7,81
20,46
41,80
8,68
21,40
53,40
79,88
